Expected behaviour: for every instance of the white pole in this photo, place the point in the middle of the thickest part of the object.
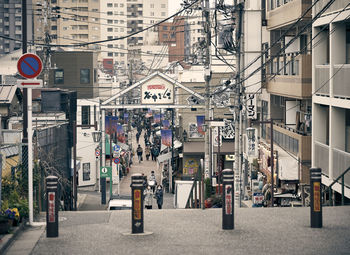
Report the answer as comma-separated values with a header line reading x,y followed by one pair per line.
x,y
30,156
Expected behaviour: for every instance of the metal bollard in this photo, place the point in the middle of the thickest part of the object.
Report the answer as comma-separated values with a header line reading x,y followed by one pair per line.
x,y
137,203
315,192
103,190
51,206
228,199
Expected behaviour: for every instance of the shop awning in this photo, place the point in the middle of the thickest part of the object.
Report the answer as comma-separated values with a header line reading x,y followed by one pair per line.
x,y
288,166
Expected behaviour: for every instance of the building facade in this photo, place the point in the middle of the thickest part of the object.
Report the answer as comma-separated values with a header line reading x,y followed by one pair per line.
x,y
11,24
331,94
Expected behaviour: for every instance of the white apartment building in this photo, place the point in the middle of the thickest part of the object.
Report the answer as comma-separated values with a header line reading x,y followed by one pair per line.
x,y
331,94
114,25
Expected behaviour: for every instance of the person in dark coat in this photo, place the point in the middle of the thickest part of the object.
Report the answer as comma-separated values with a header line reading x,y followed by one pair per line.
x,y
159,196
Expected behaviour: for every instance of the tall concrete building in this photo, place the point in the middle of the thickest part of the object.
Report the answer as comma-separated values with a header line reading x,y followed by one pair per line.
x,y
331,94
286,96
11,24
68,22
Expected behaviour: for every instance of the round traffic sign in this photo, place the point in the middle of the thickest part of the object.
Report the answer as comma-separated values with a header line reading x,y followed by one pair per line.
x,y
116,160
29,65
116,147
104,170
97,153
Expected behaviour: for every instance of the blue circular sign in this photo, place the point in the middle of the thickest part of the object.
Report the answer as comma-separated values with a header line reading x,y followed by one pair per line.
x,y
116,147
116,160
29,66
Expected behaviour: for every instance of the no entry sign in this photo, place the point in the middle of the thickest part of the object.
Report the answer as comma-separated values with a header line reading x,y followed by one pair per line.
x,y
29,66
116,160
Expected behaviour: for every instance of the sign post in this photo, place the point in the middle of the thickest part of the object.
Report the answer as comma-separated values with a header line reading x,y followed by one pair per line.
x,y
29,66
106,171
228,200
315,192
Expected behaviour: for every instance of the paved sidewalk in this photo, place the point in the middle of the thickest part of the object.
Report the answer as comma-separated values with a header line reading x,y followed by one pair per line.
x,y
195,231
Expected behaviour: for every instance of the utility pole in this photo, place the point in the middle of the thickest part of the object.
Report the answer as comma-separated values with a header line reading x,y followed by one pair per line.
x,y
207,78
238,106
47,26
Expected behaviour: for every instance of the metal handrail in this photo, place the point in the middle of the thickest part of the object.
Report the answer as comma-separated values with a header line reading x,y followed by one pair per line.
x,y
342,186
196,179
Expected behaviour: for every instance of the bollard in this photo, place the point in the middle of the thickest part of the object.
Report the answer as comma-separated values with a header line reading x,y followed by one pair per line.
x,y
315,192
228,199
51,206
137,203
103,190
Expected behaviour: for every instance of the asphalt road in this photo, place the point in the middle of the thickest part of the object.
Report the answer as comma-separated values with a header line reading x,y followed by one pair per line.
x,y
195,231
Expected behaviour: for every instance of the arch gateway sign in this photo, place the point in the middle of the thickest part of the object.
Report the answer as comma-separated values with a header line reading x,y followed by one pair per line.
x,y
157,91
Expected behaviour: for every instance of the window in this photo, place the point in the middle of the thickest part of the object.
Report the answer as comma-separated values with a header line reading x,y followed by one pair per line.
x,y
152,5
165,28
152,14
121,5
110,21
109,37
163,5
109,5
84,76
109,29
109,45
110,54
95,75
59,76
86,171
85,115
116,54
163,14
109,13
115,5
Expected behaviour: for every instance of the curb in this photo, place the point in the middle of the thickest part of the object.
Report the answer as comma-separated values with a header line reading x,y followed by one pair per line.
x,y
9,238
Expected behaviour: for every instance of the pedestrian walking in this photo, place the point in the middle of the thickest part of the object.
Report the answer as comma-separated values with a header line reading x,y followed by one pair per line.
x,y
147,152
156,152
139,151
137,137
159,196
148,194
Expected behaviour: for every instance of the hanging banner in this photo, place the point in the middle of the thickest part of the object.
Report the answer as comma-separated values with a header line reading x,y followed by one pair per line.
x,y
120,134
193,131
111,123
166,124
166,137
200,123
157,118
126,118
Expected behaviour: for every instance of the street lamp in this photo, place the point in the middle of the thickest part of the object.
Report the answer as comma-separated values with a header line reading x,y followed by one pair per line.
x,y
96,136
250,133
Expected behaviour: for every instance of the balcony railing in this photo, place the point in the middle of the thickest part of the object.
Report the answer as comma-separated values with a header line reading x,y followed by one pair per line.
x,y
322,80
336,5
290,75
341,77
284,12
322,157
341,161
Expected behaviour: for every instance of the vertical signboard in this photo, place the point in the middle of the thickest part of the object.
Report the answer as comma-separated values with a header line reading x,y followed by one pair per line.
x,y
228,199
51,196
137,204
317,197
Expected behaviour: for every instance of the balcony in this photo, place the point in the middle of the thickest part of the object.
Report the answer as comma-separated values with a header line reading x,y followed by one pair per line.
x,y
341,75
336,5
341,161
293,78
282,14
294,141
322,157
322,80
